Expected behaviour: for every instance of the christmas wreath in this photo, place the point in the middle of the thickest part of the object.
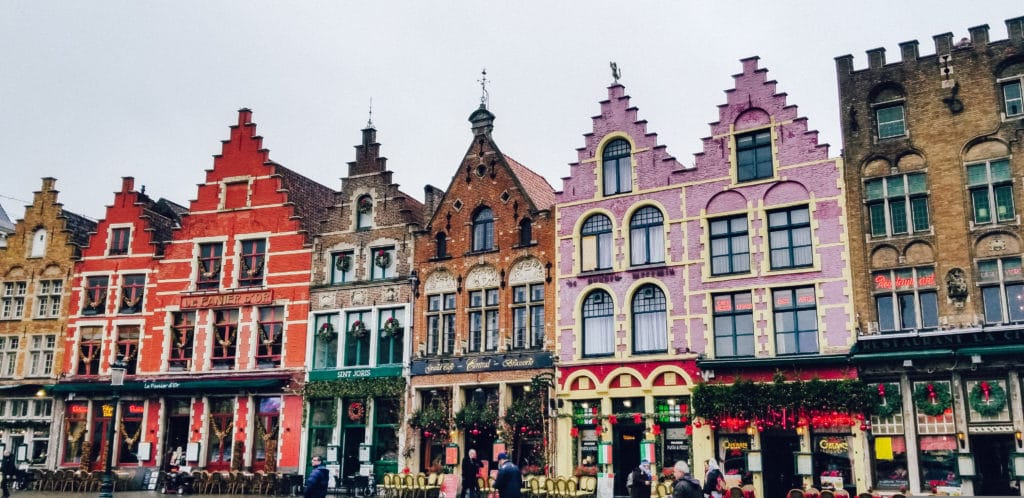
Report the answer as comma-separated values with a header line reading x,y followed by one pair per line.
x,y
391,328
987,398
382,259
890,400
358,329
326,332
932,399
356,410
365,205
343,263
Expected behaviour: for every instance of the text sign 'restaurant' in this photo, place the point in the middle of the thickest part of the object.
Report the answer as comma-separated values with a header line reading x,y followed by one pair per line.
x,y
253,298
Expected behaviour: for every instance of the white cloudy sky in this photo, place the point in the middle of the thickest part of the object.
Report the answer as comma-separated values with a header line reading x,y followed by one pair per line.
x,y
92,91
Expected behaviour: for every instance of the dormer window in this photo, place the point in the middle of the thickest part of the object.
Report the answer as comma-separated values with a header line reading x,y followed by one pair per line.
x,y
364,212
119,238
754,156
483,230
38,243
617,167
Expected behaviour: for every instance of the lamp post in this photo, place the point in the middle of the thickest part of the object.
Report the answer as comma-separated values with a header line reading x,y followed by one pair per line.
x,y
117,370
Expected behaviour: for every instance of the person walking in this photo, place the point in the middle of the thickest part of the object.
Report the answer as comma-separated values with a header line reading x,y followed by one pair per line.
x,y
685,486
714,481
639,481
9,471
319,478
509,481
470,472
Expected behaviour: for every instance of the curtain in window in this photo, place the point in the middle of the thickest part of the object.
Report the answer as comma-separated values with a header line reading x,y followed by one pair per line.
x,y
604,250
651,331
600,335
638,246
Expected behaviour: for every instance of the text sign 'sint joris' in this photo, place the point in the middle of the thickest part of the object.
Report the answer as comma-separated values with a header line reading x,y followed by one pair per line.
x,y
252,298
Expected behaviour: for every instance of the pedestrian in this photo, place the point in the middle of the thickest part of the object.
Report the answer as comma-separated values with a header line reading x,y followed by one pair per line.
x,y
9,471
316,483
685,486
509,481
639,481
714,481
470,471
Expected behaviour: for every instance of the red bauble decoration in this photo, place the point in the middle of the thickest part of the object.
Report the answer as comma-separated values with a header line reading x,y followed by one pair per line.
x,y
656,429
574,432
427,434
613,419
863,427
689,430
636,418
697,424
597,430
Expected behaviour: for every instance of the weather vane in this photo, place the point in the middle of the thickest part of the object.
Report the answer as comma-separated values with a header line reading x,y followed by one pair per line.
x,y
483,88
615,72
369,121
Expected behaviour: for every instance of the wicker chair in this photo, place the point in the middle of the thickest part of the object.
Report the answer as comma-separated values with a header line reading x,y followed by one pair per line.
x,y
795,493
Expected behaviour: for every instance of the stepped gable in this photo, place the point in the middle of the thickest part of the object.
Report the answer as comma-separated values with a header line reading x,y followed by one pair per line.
x,y
368,162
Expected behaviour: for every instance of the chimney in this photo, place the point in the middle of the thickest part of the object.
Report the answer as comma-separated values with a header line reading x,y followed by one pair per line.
x,y
908,51
127,184
48,183
979,35
844,64
1015,27
943,43
876,57
431,196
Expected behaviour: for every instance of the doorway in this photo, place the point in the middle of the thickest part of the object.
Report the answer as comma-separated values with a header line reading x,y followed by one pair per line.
x,y
991,462
353,437
777,457
626,451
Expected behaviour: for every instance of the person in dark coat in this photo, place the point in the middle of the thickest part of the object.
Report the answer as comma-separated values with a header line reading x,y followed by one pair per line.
x,y
470,471
319,478
9,471
685,486
639,482
509,482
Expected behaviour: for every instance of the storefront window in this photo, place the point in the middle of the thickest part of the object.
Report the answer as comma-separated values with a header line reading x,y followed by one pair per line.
x,y
938,464
891,462
673,416
40,445
130,430
221,430
732,449
321,426
264,446
75,426
832,461
385,437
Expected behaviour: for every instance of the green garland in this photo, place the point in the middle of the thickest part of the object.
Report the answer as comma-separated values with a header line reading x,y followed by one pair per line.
x,y
526,412
996,399
747,399
893,400
923,401
368,388
432,418
477,415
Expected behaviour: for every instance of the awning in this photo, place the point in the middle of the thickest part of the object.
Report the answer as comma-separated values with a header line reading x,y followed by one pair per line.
x,y
166,386
778,361
1014,349
904,355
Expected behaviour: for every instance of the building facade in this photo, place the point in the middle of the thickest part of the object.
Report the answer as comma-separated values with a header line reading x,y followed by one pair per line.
x,y
625,357
361,304
35,269
933,151
482,339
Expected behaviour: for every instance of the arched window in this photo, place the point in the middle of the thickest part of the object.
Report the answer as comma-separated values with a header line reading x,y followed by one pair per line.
x,y
483,230
617,167
525,232
650,321
647,237
598,324
38,243
596,243
364,212
440,245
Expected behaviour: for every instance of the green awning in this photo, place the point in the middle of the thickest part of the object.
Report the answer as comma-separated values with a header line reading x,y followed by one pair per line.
x,y
1013,349
777,361
904,355
166,386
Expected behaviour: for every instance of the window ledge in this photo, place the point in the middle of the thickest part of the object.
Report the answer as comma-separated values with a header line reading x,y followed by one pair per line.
x,y
592,273
446,257
523,246
482,251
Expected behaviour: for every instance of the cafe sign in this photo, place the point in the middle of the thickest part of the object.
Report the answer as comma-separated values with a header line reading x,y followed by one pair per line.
x,y
252,298
833,445
487,363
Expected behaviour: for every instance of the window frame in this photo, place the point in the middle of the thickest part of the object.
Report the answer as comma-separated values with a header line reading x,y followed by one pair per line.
x,y
527,305
658,335
224,338
790,228
133,292
127,346
1007,83
441,324
482,313
209,264
12,303
992,189
94,299
894,286
356,351
120,241
889,205
732,237
89,351
735,335
364,221
41,355
391,349
879,124
183,326
795,308
49,293
269,345
603,241
9,355
376,272
617,157
760,144
337,275
252,262
645,228
597,309
483,230
1003,279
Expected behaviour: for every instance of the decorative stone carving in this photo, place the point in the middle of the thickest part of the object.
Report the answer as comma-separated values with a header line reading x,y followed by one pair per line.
x,y
956,285
326,300
997,244
359,298
482,277
390,295
439,281
527,270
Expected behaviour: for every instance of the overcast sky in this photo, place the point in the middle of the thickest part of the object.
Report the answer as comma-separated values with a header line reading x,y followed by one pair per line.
x,y
93,91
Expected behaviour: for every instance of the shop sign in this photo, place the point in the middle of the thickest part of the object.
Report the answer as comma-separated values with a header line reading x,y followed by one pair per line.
x,y
356,373
108,411
79,409
251,298
833,445
986,338
136,409
676,440
487,363
883,282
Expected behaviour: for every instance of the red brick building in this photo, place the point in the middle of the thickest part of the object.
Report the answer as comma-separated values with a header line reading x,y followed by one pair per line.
x,y
483,332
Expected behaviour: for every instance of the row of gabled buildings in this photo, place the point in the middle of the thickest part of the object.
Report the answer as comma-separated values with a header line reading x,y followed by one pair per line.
x,y
734,308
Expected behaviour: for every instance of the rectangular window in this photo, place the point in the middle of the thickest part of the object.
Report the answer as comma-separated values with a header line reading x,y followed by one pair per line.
x,y
730,246
754,156
325,348
76,424
389,347
268,424
252,261
342,267
796,321
441,324
1012,99
906,299
1002,290
133,288
95,297
41,355
42,408
897,205
357,339
129,432
119,239
528,316
225,339
789,232
991,187
734,325
128,346
48,297
483,320
270,337
8,354
891,122
89,346
183,331
209,266
382,265
13,306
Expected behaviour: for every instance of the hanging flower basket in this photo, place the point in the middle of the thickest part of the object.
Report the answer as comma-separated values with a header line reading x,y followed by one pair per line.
x,y
987,398
365,205
343,263
382,259
358,329
932,399
326,332
391,328
890,400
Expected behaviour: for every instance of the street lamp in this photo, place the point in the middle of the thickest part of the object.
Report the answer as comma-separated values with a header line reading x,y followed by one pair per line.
x,y
117,370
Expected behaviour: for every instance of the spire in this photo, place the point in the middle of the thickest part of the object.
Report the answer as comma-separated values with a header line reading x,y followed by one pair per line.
x,y
369,120
485,98
482,120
